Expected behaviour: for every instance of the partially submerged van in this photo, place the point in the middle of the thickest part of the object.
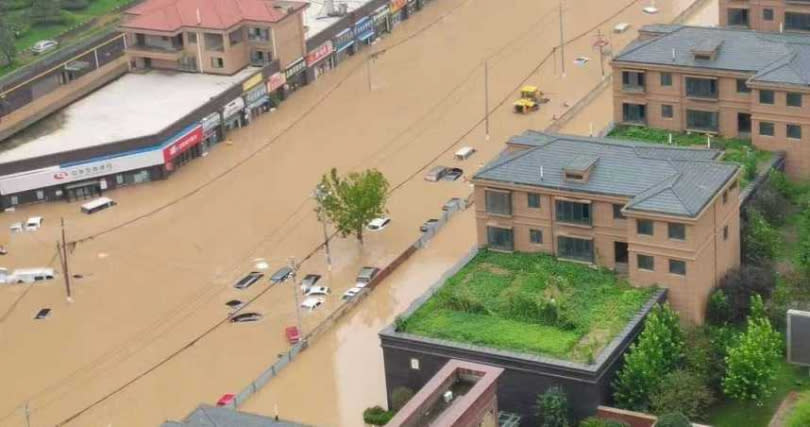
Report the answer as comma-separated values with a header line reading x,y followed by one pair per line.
x,y
96,205
464,153
30,275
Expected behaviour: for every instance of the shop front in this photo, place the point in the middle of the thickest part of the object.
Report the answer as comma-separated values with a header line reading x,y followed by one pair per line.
x,y
275,88
364,31
212,130
182,148
397,9
410,8
381,20
257,101
296,76
320,60
232,116
344,45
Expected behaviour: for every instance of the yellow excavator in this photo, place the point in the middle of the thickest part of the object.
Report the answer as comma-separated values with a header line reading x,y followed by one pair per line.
x,y
530,99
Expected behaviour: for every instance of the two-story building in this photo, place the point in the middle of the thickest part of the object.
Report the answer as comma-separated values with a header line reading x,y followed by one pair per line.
x,y
214,36
735,83
663,215
766,15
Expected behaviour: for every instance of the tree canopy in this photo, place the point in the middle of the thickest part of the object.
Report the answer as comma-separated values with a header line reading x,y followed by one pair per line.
x,y
352,201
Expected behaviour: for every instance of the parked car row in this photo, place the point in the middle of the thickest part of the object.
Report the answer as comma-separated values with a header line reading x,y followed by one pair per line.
x,y
31,224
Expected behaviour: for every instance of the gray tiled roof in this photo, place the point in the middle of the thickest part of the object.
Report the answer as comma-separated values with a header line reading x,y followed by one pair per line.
x,y
775,58
656,179
213,416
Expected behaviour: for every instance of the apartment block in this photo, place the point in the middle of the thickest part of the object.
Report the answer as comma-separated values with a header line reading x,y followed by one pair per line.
x,y
766,15
214,36
664,216
719,81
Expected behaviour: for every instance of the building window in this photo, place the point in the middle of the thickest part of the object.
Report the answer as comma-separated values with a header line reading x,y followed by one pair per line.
x,y
766,128
645,227
498,202
765,96
767,14
666,111
701,88
794,131
500,238
677,267
40,194
634,113
191,37
797,21
725,232
676,231
573,212
645,262
258,34
702,120
666,79
576,249
217,62
13,200
725,197
534,200
742,86
738,17
617,211
633,81
794,99
119,179
235,37
536,237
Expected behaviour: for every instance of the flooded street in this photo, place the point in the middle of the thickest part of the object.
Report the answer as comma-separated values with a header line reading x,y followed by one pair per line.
x,y
145,339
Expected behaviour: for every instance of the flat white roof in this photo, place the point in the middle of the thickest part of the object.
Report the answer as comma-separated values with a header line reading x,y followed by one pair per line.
x,y
315,25
133,106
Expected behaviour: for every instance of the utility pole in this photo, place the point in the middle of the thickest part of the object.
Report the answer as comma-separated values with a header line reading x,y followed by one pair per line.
x,y
63,254
27,415
368,68
294,267
601,43
562,40
486,95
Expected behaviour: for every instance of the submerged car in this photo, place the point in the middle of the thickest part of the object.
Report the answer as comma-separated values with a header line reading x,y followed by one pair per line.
x,y
281,275
43,46
246,317
318,290
309,281
312,303
248,280
377,224
453,174
366,275
427,225
351,293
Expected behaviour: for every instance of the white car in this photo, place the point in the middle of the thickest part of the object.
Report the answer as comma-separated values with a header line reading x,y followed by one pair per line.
x,y
33,223
43,46
377,224
17,227
312,303
318,290
351,293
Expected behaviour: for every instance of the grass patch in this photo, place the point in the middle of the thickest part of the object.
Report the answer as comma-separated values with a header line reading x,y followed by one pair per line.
x,y
530,303
800,415
736,150
735,414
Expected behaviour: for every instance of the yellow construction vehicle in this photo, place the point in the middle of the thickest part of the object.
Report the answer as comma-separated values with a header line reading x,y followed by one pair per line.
x,y
525,106
531,93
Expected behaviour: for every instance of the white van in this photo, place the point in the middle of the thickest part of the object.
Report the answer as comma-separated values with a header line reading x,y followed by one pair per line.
x,y
464,153
30,275
33,223
621,27
96,205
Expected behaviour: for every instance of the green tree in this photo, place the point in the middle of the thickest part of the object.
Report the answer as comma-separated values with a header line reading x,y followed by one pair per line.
x,y
674,419
7,49
752,362
660,349
45,12
552,407
352,201
682,391
377,416
760,239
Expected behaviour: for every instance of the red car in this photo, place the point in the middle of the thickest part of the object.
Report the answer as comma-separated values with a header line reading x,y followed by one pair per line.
x,y
293,336
226,399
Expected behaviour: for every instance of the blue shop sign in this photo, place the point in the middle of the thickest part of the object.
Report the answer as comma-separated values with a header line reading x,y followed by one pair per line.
x,y
344,39
364,29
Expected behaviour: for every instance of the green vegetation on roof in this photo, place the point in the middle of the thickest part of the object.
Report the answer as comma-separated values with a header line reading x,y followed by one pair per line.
x,y
530,303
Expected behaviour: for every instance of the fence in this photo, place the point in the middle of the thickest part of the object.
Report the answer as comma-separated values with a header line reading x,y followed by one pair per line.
x,y
452,206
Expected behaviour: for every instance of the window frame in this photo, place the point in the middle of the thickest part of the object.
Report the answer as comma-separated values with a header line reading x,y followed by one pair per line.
x,y
639,258
667,111
714,119
742,86
769,95
674,262
767,14
763,125
530,197
794,96
494,229
533,232
565,211
617,211
562,249
640,226
676,231
666,79
693,83
794,127
488,205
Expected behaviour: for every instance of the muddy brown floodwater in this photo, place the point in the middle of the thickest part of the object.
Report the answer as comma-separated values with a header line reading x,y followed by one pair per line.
x,y
142,340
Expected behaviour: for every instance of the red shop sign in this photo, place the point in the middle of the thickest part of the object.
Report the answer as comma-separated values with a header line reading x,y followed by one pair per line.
x,y
397,5
182,144
319,53
276,81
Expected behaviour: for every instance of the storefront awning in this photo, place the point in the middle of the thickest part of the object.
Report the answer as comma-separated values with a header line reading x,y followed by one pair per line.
x,y
365,36
82,184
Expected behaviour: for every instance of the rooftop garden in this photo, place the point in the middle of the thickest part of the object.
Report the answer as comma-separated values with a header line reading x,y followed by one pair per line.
x,y
529,303
738,151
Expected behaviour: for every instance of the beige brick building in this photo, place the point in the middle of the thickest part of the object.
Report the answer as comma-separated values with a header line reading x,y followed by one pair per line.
x,y
662,215
217,37
734,83
766,15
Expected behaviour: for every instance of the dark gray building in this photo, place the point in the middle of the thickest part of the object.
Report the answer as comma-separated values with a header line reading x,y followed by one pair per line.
x,y
213,416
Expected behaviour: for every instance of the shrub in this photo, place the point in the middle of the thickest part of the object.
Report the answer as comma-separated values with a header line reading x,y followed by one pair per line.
x,y
771,203
752,362
800,416
674,419
780,182
738,286
399,397
718,310
707,351
659,350
552,407
750,164
598,422
760,240
73,4
377,416
682,391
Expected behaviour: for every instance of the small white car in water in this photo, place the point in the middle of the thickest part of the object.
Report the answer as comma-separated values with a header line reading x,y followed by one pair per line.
x,y
378,224
318,290
312,303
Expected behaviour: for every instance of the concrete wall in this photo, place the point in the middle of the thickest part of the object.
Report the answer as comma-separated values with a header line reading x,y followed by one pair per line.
x,y
755,12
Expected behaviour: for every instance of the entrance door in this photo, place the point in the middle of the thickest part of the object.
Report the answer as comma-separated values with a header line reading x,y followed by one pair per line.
x,y
744,124
620,256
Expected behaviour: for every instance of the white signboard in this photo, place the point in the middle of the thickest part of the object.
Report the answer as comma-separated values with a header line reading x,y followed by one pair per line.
x,y
56,175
